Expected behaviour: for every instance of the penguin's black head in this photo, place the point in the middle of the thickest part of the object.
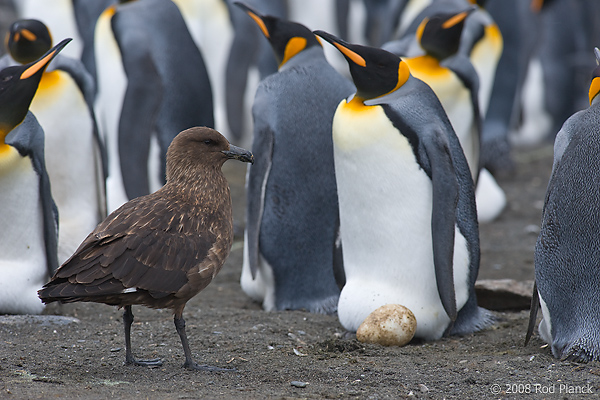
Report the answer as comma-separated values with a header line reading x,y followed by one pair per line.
x,y
27,40
595,84
439,35
287,38
18,85
375,72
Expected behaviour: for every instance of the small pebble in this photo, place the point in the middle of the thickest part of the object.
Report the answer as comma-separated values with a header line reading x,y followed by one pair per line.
x,y
298,384
114,350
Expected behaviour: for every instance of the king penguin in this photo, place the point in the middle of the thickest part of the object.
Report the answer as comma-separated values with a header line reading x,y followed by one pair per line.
x,y
408,219
29,234
74,153
290,254
481,41
567,252
58,15
152,84
455,81
248,50
452,77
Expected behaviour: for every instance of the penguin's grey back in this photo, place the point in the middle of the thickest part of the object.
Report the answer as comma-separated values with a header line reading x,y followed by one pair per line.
x,y
568,247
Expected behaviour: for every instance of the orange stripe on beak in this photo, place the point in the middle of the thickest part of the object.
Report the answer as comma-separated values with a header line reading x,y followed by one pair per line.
x,y
354,57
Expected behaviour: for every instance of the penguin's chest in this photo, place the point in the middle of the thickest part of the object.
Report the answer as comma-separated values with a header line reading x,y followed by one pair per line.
x,y
385,197
60,108
449,89
21,236
484,57
455,98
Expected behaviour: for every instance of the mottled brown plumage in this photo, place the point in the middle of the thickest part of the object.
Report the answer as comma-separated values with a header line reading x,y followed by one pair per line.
x,y
159,250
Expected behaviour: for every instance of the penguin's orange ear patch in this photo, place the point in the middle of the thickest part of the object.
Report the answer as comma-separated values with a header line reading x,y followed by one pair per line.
x,y
594,88
354,57
294,46
403,74
421,28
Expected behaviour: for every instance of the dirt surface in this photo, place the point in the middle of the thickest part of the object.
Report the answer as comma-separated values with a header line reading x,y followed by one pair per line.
x,y
297,354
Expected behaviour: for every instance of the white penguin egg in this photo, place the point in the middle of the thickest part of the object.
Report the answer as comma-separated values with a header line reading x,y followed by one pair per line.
x,y
389,325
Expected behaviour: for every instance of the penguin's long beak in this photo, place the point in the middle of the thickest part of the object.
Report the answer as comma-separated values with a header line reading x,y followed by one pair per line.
x,y
343,47
457,18
240,154
256,17
42,63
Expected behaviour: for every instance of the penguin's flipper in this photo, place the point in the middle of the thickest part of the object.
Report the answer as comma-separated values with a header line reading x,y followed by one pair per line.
x,y
535,305
338,257
258,175
28,139
141,106
443,218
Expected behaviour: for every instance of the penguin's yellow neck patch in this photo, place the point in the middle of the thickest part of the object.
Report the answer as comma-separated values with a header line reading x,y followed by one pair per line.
x,y
110,11
425,67
357,127
4,148
294,46
49,80
354,105
594,89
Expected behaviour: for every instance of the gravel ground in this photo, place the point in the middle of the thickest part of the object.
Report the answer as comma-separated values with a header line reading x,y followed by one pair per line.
x,y
295,354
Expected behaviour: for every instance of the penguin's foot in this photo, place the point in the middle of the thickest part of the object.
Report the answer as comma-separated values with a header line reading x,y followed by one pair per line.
x,y
197,367
581,355
155,362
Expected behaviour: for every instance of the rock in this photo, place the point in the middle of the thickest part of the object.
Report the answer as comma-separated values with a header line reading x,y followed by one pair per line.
x,y
389,325
504,294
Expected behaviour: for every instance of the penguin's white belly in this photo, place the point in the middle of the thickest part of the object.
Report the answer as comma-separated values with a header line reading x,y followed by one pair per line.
x,y
71,158
458,107
262,288
537,122
385,202
112,83
23,267
545,327
484,57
